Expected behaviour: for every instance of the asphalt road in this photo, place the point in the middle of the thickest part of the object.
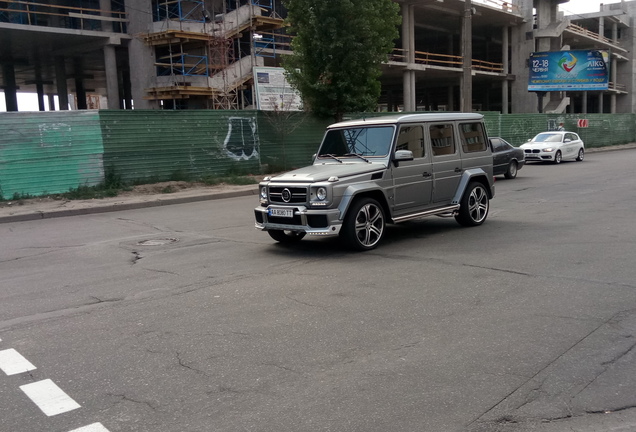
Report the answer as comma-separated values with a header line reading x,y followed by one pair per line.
x,y
184,318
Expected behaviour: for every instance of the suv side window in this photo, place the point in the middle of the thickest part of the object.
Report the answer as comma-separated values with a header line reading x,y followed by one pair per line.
x,y
472,137
412,138
442,139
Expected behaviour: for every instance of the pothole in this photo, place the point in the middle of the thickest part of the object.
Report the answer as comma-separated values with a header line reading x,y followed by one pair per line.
x,y
157,242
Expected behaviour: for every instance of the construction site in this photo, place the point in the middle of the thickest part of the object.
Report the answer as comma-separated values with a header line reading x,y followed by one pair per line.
x,y
201,54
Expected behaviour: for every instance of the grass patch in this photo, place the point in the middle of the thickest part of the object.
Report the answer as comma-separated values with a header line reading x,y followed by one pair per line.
x,y
232,180
90,192
113,185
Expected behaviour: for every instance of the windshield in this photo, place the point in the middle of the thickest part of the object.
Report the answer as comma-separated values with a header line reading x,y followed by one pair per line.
x,y
548,137
362,141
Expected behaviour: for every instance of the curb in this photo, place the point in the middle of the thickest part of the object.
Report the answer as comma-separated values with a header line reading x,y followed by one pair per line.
x,y
106,208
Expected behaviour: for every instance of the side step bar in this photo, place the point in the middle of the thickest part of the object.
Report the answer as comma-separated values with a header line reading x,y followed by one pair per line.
x,y
441,211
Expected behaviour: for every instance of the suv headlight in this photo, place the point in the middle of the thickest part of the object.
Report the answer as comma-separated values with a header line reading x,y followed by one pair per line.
x,y
321,194
263,192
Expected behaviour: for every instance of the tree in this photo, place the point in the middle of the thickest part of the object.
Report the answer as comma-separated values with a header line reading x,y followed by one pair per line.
x,y
338,47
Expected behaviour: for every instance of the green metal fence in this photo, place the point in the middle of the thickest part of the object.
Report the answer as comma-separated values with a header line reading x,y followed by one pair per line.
x,y
52,152
42,153
149,145
602,129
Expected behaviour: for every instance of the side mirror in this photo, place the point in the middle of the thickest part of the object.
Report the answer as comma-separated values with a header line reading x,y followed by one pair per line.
x,y
530,139
403,155
567,140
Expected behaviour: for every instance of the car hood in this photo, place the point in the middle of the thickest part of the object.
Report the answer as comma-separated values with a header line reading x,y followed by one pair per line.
x,y
323,171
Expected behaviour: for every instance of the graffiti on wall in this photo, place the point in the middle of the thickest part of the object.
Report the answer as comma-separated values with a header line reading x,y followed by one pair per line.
x,y
56,135
241,141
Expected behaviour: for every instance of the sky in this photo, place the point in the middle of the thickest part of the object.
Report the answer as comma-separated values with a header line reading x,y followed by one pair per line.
x,y
582,6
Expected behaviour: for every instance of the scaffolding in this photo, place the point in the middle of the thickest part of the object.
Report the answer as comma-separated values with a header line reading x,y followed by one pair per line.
x,y
214,64
180,10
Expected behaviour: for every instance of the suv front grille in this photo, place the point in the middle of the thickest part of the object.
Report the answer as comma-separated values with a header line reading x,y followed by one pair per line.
x,y
288,194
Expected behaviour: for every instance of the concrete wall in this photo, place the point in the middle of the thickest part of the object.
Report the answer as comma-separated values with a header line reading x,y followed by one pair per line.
x,y
140,56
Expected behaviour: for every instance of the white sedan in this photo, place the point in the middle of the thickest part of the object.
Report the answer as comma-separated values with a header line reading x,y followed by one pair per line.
x,y
554,147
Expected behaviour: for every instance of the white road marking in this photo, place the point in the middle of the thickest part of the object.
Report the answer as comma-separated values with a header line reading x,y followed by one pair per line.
x,y
95,427
49,397
12,362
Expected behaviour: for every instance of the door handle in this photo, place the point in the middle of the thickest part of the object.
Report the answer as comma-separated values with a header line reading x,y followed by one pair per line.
x,y
458,170
426,174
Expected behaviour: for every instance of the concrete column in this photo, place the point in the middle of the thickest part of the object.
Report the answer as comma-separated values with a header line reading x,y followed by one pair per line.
x,y
407,90
506,67
40,91
600,102
10,87
112,84
408,45
104,6
80,90
584,102
615,32
601,27
51,98
140,56
60,81
408,33
466,97
613,103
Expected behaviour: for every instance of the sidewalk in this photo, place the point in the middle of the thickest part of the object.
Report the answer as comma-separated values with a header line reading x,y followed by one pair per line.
x,y
45,208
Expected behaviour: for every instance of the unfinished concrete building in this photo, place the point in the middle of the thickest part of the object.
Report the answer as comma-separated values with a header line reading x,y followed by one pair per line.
x,y
199,54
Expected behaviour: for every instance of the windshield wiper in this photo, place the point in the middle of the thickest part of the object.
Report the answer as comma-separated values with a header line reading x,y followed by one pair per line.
x,y
331,156
360,156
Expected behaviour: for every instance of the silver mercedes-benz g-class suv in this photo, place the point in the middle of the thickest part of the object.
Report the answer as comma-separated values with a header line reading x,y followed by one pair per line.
x,y
380,170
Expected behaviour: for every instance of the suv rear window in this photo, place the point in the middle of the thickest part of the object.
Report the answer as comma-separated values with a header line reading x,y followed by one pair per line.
x,y
472,137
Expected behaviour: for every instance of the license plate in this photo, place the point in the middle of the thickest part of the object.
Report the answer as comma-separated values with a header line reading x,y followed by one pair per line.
x,y
286,213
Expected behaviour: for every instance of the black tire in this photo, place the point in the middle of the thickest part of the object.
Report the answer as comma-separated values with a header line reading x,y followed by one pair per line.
x,y
511,172
364,225
558,157
284,236
581,155
474,205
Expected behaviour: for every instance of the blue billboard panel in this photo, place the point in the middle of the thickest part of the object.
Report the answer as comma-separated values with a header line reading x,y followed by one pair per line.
x,y
578,70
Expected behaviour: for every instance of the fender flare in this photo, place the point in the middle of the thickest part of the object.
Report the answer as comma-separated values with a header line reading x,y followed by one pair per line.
x,y
467,176
351,192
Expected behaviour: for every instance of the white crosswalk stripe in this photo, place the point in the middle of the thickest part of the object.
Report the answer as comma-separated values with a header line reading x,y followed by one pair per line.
x,y
95,427
49,397
12,362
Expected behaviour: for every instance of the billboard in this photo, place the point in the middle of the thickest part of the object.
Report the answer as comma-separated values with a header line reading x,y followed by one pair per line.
x,y
273,91
577,70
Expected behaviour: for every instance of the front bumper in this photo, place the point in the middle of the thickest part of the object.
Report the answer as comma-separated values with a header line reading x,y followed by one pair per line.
x,y
322,222
542,156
